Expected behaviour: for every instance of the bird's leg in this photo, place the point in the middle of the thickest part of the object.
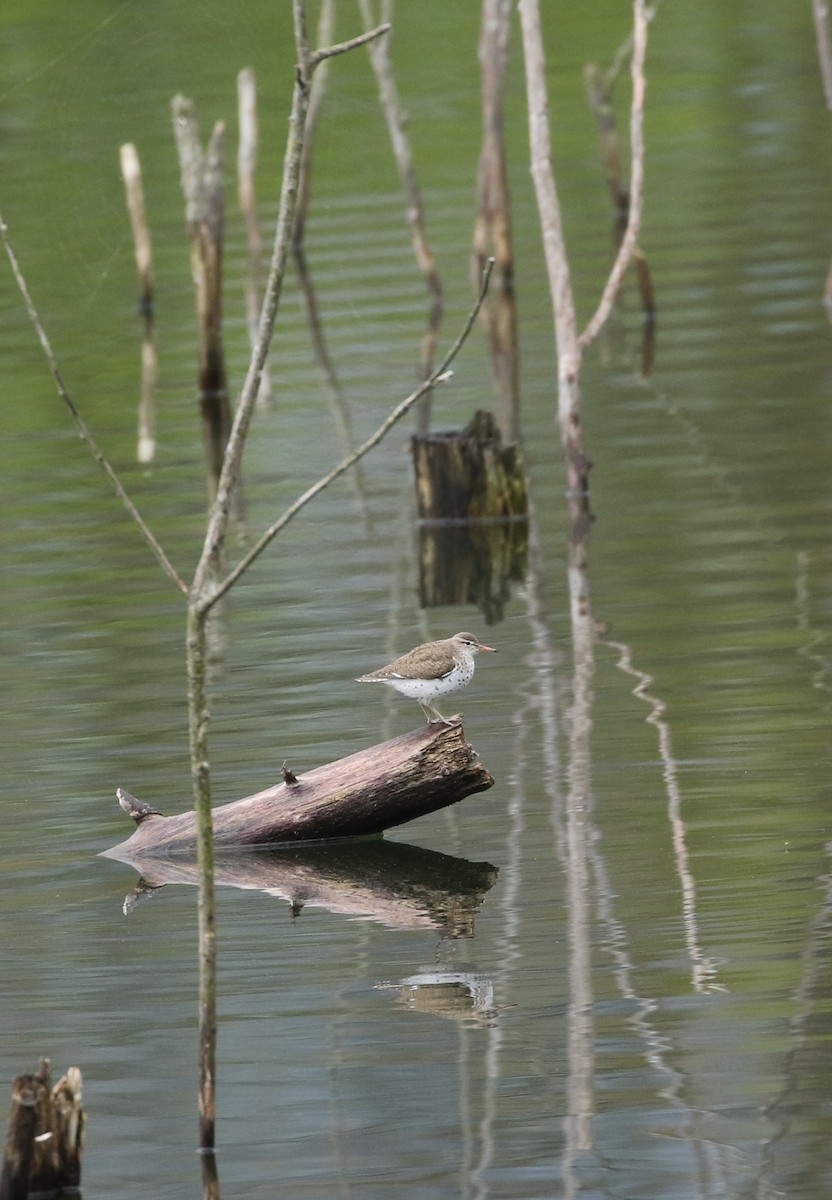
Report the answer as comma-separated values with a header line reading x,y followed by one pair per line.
x,y
433,715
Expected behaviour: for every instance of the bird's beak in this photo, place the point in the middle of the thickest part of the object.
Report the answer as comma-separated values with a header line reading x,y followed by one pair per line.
x,y
490,649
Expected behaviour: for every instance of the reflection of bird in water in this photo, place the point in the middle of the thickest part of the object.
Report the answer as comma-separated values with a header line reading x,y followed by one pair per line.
x,y
431,670
456,995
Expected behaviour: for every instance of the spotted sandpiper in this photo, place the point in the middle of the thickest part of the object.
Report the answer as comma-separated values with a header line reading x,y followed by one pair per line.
x,y
431,670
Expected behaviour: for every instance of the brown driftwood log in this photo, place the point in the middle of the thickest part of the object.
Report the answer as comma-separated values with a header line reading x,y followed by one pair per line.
x,y
45,1139
358,796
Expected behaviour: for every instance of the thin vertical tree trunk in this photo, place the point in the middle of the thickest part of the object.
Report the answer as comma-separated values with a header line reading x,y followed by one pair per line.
x,y
557,263
201,173
492,227
379,52
246,164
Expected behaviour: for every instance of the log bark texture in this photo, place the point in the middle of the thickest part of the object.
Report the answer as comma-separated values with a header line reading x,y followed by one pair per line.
x,y
469,474
357,796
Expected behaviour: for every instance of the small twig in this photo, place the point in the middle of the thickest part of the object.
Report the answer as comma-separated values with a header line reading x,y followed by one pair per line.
x,y
440,375
351,44
83,430
630,239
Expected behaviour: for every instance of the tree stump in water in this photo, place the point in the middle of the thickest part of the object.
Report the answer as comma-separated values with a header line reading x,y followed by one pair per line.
x,y
45,1139
473,511
357,796
469,475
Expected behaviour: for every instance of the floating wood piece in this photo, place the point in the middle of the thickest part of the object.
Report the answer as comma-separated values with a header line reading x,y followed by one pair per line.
x,y
364,794
45,1139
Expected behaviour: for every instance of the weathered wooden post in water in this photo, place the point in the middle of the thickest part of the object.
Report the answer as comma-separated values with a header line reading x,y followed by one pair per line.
x,y
45,1139
473,510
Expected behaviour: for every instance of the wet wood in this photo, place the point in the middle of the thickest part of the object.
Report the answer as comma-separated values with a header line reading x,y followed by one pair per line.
x,y
45,1139
472,562
364,794
469,474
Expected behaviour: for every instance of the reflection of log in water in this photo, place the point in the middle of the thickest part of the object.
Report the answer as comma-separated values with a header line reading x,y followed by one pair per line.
x,y
400,886
357,796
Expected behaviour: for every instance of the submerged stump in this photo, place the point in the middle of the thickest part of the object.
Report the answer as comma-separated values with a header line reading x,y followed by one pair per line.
x,y
469,474
357,796
473,516
45,1139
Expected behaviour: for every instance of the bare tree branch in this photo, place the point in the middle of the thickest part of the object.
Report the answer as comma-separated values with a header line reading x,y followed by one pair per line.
x,y
163,560
554,248
396,119
343,47
441,375
629,241
229,476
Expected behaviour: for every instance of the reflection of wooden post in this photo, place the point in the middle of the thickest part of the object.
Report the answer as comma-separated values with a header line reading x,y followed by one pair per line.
x,y
132,175
205,210
45,1139
469,562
